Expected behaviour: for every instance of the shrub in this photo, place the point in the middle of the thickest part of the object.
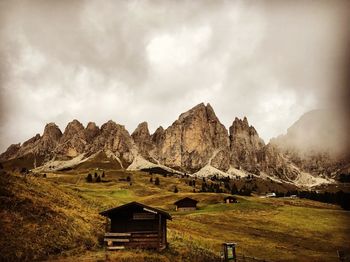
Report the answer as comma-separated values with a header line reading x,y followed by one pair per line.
x,y
89,178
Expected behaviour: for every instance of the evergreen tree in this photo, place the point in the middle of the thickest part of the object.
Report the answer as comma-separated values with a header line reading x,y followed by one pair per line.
x,y
234,189
89,178
157,182
176,190
204,187
151,180
98,179
128,178
103,174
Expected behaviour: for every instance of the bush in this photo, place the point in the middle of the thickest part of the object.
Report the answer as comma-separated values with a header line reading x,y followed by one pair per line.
x,y
128,179
89,178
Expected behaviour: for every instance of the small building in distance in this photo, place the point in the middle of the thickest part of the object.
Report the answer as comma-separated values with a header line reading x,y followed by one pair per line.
x,y
271,194
136,225
186,204
230,199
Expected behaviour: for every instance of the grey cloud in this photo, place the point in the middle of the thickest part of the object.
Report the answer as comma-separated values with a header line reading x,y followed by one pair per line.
x,y
132,61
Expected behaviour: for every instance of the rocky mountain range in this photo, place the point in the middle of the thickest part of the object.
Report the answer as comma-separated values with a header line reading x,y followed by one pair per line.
x,y
196,143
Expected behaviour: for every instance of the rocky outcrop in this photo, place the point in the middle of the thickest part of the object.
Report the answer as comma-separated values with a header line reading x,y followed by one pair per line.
x,y
272,162
192,140
116,139
143,140
91,132
73,140
46,145
249,152
245,145
76,140
11,152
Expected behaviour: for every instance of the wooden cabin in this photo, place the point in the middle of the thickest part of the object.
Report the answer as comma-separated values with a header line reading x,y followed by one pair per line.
x,y
186,204
230,200
136,225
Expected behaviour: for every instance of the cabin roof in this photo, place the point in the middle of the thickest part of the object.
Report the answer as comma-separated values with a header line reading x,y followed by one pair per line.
x,y
186,199
107,212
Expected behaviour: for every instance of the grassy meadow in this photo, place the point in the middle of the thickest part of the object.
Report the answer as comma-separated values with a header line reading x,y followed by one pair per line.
x,y
279,229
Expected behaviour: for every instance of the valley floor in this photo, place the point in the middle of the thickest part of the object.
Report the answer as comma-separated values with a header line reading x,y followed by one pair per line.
x,y
279,229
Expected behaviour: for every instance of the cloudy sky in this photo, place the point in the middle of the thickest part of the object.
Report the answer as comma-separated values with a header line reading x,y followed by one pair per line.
x,y
132,61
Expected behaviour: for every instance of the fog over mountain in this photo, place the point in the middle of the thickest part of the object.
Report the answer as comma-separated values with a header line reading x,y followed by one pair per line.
x,y
132,61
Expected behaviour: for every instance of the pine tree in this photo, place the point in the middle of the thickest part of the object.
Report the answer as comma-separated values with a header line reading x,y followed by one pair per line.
x,y
157,182
234,189
89,178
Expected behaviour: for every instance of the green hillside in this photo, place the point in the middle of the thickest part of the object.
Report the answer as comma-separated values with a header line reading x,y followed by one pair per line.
x,y
64,208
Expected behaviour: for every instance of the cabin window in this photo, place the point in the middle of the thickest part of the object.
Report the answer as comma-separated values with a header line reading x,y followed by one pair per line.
x,y
143,216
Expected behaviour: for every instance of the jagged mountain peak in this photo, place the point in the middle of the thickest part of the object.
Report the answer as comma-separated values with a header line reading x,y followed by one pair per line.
x,y
91,125
73,127
52,131
141,129
240,127
91,131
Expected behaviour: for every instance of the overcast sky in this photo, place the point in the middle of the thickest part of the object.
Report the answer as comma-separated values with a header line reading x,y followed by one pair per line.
x,y
134,61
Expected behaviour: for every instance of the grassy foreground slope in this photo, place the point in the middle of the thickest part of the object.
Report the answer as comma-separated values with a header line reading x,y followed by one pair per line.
x,y
38,218
59,213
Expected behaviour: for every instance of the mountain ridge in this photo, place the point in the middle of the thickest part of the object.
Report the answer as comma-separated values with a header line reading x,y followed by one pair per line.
x,y
196,140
